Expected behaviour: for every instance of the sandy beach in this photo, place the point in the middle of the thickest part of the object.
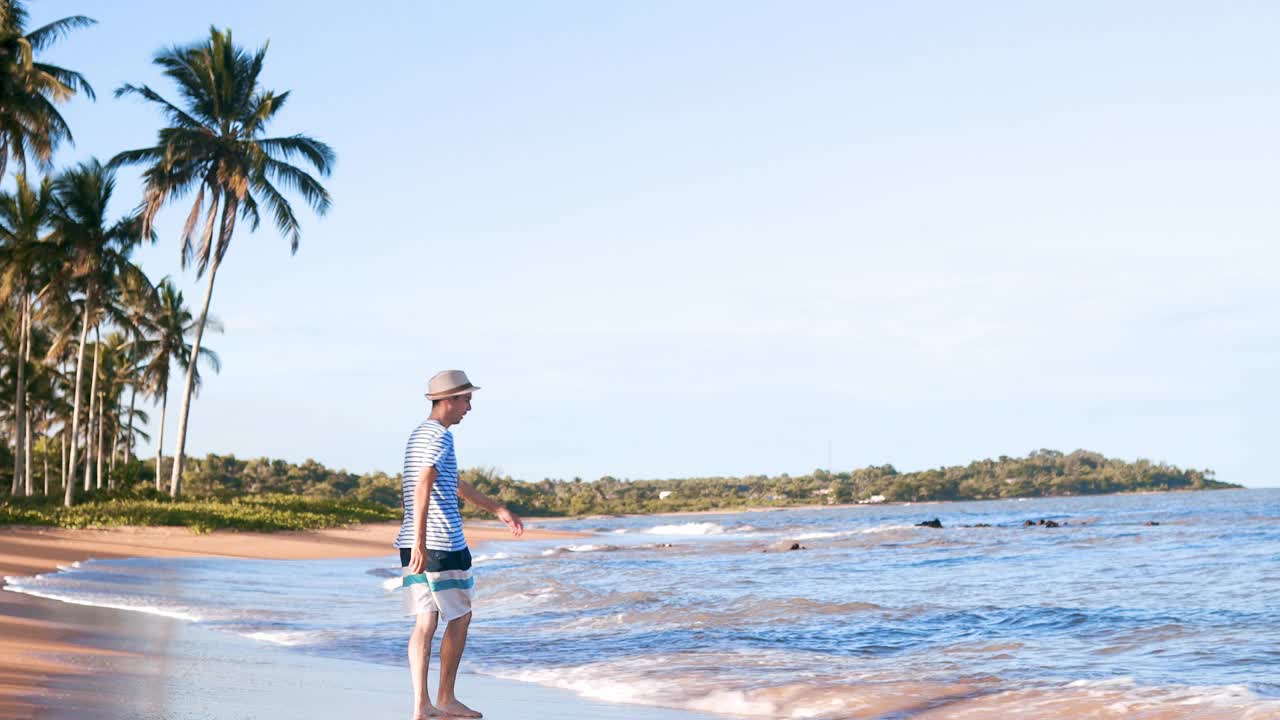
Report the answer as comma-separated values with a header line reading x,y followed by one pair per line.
x,y
45,642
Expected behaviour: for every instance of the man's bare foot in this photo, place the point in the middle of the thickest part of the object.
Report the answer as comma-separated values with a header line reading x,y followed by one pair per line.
x,y
429,712
458,710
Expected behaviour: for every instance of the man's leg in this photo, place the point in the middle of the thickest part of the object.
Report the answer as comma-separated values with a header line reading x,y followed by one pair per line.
x,y
420,662
455,641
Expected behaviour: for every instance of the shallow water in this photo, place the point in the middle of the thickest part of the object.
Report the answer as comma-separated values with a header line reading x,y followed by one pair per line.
x,y
1105,616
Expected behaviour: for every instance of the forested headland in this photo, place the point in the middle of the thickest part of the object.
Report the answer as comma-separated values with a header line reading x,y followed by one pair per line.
x,y
264,494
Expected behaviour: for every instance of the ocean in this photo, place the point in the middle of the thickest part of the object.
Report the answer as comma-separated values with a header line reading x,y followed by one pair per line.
x,y
1155,605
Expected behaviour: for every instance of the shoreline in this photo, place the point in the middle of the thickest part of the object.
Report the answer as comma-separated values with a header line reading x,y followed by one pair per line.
x,y
111,664
887,503
43,643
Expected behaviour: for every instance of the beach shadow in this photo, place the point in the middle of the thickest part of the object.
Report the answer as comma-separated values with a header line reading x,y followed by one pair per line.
x,y
932,704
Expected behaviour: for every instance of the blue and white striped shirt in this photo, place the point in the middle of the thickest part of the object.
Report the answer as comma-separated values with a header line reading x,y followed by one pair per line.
x,y
432,444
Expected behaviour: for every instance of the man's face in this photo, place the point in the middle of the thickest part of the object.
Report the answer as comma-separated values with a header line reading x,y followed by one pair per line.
x,y
458,407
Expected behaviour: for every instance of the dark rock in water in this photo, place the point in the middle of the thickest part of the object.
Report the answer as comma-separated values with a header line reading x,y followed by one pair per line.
x,y
983,525
1150,523
1029,523
785,546
1050,523
934,523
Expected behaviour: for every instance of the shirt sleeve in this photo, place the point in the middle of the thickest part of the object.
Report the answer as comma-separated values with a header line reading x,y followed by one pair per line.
x,y
431,450
446,451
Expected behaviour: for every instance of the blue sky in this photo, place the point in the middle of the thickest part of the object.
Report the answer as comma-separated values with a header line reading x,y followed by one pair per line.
x,y
682,239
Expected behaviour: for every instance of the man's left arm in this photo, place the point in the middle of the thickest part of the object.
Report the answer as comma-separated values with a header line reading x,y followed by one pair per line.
x,y
467,492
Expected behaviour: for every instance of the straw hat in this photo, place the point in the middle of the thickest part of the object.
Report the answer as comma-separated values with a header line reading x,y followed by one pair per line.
x,y
449,383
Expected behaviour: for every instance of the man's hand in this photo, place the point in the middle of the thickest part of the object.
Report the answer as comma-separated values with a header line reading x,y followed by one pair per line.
x,y
511,520
417,559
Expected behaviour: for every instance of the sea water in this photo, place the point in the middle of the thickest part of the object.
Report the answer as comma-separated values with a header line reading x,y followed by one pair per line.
x,y
1160,605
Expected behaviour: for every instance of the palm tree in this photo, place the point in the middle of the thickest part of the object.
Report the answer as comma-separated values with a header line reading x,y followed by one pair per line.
x,y
216,146
120,371
41,391
48,402
97,262
30,124
140,303
24,215
172,325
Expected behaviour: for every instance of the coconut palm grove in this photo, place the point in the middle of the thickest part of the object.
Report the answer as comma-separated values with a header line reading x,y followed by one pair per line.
x,y
92,345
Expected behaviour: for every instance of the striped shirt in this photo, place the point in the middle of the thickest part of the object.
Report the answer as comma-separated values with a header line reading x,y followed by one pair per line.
x,y
432,444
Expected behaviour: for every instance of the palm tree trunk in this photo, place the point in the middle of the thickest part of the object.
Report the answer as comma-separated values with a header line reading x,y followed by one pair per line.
x,y
102,426
164,405
69,479
115,455
20,404
48,444
175,481
228,225
31,490
93,395
128,438
27,471
63,436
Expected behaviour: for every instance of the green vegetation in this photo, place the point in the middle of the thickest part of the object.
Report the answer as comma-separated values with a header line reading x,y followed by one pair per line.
x,y
247,512
263,494
1040,474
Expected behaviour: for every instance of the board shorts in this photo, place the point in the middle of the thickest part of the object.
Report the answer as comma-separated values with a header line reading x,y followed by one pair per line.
x,y
445,586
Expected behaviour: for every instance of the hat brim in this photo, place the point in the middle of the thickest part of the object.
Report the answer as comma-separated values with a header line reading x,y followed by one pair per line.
x,y
455,392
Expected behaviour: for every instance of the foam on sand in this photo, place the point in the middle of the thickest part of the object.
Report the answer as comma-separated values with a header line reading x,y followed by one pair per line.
x,y
286,638
113,603
645,683
859,698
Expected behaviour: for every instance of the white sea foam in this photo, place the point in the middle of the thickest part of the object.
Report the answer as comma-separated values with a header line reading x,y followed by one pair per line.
x,y
287,638
826,535
884,528
648,681
112,603
488,558
578,549
692,528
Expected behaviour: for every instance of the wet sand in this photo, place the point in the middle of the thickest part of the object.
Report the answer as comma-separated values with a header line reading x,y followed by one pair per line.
x,y
46,644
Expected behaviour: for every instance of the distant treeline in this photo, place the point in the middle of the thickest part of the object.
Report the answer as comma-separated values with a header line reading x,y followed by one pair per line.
x,y
1042,473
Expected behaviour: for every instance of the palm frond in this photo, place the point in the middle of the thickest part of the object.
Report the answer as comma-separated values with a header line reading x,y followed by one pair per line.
x,y
73,81
211,357
320,155
299,181
175,114
45,36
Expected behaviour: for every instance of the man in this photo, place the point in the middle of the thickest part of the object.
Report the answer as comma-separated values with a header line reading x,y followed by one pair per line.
x,y
433,551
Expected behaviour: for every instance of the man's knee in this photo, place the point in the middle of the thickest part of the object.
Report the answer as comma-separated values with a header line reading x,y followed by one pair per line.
x,y
426,624
461,620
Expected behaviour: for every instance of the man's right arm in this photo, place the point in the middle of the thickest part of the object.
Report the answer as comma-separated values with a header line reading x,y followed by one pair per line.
x,y
421,502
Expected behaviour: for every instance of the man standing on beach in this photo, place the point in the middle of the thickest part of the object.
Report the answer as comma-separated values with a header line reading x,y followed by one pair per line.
x,y
433,551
